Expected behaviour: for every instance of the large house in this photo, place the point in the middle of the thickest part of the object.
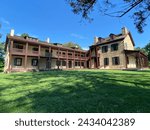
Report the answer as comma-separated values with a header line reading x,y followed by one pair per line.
x,y
31,54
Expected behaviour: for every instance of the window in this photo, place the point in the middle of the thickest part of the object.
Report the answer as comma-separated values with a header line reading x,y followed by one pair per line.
x,y
82,63
104,49
115,60
18,46
18,61
34,62
76,63
47,51
35,49
114,47
63,63
106,61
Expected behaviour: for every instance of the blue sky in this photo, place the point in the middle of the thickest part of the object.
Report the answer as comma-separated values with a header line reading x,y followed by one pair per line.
x,y
54,19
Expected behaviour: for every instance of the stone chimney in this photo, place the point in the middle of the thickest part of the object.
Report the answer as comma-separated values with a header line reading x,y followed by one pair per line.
x,y
96,40
12,32
48,40
124,31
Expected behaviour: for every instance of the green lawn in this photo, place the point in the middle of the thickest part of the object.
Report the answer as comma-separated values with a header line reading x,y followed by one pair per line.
x,y
76,91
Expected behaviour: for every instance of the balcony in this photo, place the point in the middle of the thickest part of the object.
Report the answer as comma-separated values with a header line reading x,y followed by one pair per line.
x,y
33,53
18,51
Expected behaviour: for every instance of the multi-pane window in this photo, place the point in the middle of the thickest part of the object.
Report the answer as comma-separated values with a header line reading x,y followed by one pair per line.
x,y
114,47
34,62
82,63
104,49
63,63
106,61
18,46
18,61
76,63
115,60
35,49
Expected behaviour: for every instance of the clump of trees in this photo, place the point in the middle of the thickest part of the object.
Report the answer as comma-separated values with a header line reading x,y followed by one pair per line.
x,y
1,56
72,45
146,51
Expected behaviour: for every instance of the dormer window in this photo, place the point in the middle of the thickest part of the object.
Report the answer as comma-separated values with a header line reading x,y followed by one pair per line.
x,y
114,47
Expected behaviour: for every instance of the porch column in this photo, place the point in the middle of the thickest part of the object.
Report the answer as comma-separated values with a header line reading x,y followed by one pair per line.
x,y
39,54
10,56
140,60
26,56
58,58
80,60
67,59
126,57
90,60
74,59
49,58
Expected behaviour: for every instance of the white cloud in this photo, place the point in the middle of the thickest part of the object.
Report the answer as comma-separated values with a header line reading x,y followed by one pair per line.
x,y
78,36
4,21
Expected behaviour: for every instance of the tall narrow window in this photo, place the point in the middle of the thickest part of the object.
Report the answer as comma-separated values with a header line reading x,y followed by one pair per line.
x,y
63,63
34,62
114,47
104,49
115,60
18,61
106,61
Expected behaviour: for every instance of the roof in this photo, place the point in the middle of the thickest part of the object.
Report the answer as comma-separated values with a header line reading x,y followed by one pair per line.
x,y
118,37
37,42
134,51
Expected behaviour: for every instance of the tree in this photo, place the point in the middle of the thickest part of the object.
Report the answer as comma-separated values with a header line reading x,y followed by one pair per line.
x,y
72,45
142,50
114,9
25,35
147,48
1,55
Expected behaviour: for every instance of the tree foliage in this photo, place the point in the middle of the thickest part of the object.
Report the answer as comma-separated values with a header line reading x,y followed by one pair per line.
x,y
140,13
147,49
72,45
25,35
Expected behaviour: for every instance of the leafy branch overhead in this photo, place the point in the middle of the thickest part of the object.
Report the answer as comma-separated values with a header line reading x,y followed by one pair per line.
x,y
139,9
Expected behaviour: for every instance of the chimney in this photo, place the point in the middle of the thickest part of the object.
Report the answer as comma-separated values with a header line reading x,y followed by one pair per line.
x,y
48,40
124,31
12,32
96,40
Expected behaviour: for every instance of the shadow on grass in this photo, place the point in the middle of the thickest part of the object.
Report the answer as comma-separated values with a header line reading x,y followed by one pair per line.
x,y
76,91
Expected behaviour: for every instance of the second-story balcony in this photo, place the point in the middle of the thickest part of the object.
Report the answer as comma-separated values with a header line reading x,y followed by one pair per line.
x,y
18,51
